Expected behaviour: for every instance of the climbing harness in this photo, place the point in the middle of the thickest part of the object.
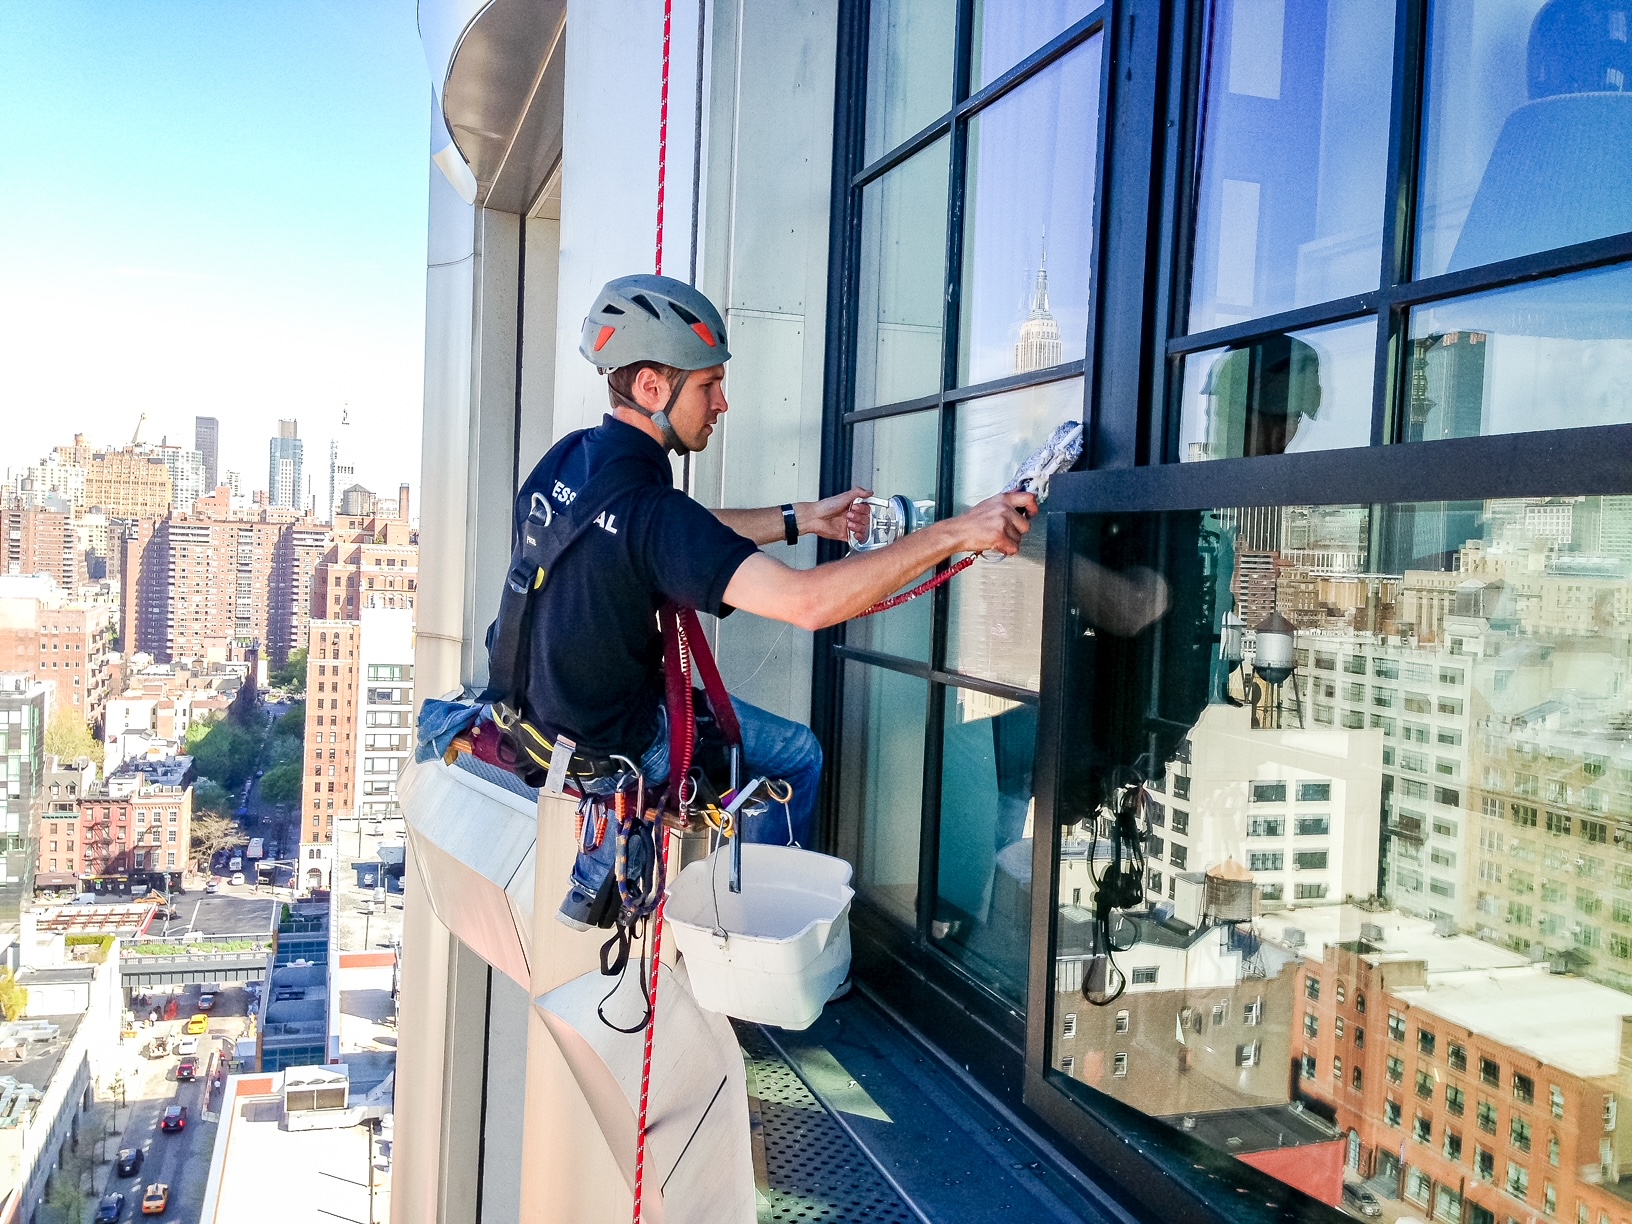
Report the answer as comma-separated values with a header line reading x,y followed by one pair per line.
x,y
891,518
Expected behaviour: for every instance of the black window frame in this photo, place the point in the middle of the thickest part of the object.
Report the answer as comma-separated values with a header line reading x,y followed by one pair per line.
x,y
1138,303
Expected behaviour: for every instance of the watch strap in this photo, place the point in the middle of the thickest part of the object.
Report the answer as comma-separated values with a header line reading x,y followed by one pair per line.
x,y
790,524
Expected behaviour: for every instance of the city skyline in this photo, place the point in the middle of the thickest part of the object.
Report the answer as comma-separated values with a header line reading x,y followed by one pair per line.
x,y
267,258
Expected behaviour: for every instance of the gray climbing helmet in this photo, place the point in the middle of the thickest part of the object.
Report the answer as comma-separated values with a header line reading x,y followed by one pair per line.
x,y
653,318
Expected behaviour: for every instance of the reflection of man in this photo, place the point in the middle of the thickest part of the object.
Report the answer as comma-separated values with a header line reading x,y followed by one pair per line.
x,y
1257,396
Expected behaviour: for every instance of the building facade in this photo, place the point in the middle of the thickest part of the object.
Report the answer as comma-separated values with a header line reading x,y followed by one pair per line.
x,y
284,479
1338,292
23,713
207,442
63,642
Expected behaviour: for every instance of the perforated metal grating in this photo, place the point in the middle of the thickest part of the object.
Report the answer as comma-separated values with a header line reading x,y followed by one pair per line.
x,y
814,1174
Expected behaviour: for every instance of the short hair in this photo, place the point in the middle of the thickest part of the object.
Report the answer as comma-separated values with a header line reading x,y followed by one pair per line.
x,y
622,379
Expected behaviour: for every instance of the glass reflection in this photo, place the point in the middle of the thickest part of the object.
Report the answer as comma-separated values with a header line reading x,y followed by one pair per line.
x,y
910,45
897,455
1528,122
903,268
1379,763
996,624
1292,146
883,784
1006,31
983,892
1028,233
1300,391
1555,354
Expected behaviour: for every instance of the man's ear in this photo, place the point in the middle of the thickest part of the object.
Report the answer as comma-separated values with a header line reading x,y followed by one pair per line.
x,y
650,391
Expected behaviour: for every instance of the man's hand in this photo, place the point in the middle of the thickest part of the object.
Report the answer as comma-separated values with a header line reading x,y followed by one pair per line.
x,y
997,524
834,518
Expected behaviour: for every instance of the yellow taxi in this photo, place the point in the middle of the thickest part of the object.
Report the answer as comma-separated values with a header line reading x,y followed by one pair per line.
x,y
156,1199
197,1025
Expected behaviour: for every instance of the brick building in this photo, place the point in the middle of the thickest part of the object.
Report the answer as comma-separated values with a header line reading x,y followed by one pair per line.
x,y
41,541
334,670
130,482
62,642
1483,1086
372,563
132,825
300,551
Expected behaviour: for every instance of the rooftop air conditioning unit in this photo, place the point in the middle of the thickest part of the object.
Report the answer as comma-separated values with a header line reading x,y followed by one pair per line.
x,y
1293,937
1371,932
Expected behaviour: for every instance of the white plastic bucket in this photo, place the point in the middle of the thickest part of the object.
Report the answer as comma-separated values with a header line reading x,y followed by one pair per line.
x,y
773,953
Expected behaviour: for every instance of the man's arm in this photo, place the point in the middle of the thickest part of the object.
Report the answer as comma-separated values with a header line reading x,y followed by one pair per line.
x,y
827,518
828,594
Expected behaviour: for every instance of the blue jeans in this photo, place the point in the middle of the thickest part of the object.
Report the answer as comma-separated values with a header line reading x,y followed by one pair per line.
x,y
772,747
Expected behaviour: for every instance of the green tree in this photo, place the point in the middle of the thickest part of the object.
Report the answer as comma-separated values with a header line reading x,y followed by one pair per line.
x,y
13,998
292,675
282,785
224,751
67,737
292,722
210,796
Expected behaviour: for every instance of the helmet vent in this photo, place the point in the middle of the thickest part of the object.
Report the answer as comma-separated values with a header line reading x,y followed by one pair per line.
x,y
686,317
609,308
641,300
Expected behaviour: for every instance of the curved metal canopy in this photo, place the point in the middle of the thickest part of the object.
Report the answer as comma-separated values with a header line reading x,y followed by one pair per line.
x,y
499,70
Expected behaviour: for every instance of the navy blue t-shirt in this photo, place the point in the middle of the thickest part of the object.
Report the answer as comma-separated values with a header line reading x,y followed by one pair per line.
x,y
595,668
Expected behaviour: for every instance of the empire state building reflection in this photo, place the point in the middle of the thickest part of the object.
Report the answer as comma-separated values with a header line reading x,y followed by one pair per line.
x,y
1039,346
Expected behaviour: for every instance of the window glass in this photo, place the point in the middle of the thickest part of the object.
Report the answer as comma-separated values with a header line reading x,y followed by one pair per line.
x,y
1479,926
883,784
995,630
1028,223
1292,151
1302,391
910,48
903,269
1006,31
897,455
1554,354
1527,122
983,896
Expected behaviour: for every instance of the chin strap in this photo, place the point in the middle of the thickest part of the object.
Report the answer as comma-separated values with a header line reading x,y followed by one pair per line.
x,y
660,418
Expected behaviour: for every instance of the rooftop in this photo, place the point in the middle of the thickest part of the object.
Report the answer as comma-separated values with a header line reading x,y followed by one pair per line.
x,y
1262,1129
1522,1007
40,1058
1403,938
333,1169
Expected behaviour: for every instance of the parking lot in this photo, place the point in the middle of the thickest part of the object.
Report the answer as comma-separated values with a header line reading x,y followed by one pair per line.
x,y
235,910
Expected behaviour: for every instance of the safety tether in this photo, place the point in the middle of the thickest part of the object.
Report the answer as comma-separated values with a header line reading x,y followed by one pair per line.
x,y
673,638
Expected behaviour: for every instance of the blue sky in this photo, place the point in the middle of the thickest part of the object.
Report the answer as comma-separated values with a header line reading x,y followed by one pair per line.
x,y
214,207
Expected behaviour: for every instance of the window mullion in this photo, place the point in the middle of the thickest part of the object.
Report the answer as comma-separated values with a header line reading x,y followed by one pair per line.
x,y
1391,366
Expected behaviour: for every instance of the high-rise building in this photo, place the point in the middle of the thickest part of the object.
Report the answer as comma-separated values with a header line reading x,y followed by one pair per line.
x,y
187,477
131,482
23,704
59,641
371,563
1039,346
41,542
207,442
201,584
301,548
339,474
285,484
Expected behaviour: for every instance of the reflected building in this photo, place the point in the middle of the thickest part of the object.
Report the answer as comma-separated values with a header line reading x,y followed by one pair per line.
x,y
1039,345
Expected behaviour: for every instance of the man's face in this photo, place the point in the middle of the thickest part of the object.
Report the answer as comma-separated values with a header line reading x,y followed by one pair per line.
x,y
700,405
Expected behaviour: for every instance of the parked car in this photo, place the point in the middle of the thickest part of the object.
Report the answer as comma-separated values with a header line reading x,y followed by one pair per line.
x,y
213,887
187,1069
109,1208
237,877
156,1199
1361,1200
206,1000
175,1119
128,1163
198,1025
186,1046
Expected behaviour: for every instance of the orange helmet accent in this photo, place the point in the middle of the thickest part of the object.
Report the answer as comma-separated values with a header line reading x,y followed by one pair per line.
x,y
607,334
702,330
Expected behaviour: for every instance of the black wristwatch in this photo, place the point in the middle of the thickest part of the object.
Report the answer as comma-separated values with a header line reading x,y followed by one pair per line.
x,y
790,524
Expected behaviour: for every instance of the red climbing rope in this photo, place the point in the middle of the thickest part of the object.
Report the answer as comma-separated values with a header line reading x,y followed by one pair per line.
x,y
663,132
928,584
662,833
